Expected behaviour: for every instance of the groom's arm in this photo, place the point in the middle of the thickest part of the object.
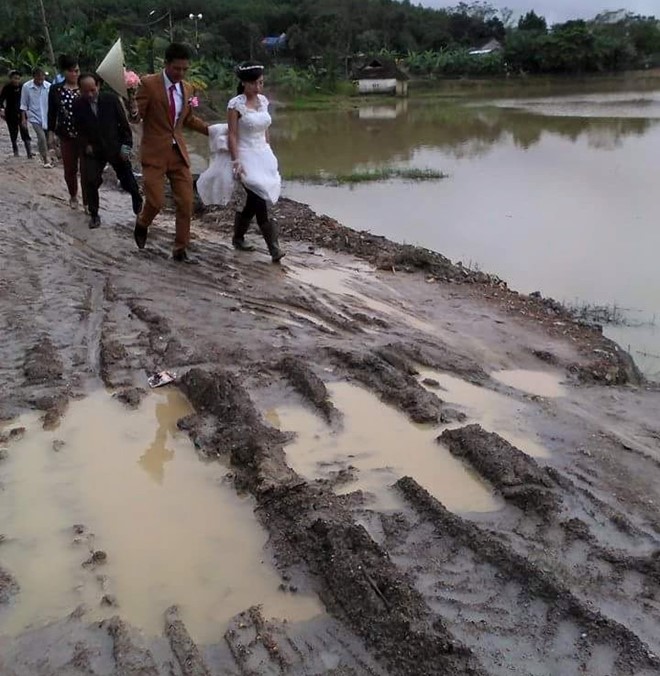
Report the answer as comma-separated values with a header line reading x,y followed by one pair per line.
x,y
195,123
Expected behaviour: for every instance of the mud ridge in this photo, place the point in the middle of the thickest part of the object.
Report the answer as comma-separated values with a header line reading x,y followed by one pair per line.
x,y
131,660
515,475
43,365
633,654
356,579
393,386
310,387
439,357
184,648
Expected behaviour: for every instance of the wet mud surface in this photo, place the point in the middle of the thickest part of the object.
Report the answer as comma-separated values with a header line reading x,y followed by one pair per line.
x,y
559,575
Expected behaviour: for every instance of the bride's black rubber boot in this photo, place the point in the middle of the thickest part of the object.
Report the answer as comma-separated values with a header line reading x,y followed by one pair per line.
x,y
270,231
241,226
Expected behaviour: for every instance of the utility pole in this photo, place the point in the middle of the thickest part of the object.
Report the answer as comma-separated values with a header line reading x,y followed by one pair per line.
x,y
49,44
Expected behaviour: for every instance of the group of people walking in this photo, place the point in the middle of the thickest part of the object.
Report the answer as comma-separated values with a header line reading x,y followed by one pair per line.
x,y
91,129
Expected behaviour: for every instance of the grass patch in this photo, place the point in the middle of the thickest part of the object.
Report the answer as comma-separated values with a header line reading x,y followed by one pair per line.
x,y
371,176
607,314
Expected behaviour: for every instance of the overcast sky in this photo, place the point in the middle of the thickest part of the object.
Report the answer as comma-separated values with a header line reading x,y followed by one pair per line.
x,y
562,10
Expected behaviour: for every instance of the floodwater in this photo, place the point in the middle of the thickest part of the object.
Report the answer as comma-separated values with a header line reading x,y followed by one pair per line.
x,y
173,530
556,193
382,445
494,411
540,383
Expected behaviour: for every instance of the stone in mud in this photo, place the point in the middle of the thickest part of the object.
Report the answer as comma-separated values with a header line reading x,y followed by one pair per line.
x,y
3,454
12,435
42,363
310,386
58,445
516,476
576,529
184,648
131,396
97,558
392,385
54,405
431,382
546,356
8,586
109,601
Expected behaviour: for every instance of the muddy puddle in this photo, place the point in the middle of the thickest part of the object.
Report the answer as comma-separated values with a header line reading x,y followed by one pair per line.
x,y
382,445
174,531
344,282
539,383
495,412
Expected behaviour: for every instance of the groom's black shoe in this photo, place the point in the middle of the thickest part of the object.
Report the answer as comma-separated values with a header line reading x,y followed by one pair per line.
x,y
140,234
181,256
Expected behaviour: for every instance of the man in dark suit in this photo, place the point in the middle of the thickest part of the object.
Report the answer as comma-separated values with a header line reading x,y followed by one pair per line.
x,y
105,137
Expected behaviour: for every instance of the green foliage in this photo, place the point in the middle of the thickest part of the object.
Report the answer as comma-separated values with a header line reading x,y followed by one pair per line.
x,y
454,63
533,22
24,60
575,47
322,35
369,176
293,81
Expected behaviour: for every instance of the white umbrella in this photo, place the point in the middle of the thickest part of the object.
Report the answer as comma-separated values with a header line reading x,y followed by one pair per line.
x,y
111,69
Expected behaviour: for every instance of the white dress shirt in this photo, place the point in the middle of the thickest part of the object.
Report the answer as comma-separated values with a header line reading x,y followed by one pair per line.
x,y
178,96
34,102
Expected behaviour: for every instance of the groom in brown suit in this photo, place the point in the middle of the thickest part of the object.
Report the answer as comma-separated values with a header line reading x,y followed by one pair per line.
x,y
163,103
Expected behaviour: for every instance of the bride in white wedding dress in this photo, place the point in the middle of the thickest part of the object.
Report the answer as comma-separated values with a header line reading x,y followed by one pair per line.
x,y
254,163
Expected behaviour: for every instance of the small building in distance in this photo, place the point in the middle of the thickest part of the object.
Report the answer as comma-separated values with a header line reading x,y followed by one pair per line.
x,y
490,47
378,75
274,43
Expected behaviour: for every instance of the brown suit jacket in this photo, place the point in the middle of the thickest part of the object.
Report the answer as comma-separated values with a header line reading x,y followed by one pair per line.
x,y
157,131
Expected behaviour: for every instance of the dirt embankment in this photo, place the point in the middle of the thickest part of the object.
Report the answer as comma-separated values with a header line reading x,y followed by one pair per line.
x,y
563,577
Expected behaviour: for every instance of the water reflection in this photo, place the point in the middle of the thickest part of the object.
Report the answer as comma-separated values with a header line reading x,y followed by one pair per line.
x,y
345,141
168,412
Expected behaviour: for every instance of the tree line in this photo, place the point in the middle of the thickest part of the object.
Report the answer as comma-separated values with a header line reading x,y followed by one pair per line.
x,y
323,35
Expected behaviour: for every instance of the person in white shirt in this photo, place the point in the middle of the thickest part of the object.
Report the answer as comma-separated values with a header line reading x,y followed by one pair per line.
x,y
34,110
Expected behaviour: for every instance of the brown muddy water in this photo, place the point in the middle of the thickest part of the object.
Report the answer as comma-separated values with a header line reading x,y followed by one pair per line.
x,y
556,193
174,530
378,444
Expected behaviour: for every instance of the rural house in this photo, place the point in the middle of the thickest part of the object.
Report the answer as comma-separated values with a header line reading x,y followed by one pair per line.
x,y
380,76
490,47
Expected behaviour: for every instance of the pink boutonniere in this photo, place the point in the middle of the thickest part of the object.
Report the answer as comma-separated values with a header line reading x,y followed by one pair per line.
x,y
193,102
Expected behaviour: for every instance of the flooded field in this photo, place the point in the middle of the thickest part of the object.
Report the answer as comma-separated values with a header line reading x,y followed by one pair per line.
x,y
554,193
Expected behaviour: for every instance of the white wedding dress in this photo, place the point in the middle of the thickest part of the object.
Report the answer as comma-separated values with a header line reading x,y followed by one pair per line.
x,y
216,184
260,170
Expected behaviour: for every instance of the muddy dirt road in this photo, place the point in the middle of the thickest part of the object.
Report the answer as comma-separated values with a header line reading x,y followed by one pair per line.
x,y
409,467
